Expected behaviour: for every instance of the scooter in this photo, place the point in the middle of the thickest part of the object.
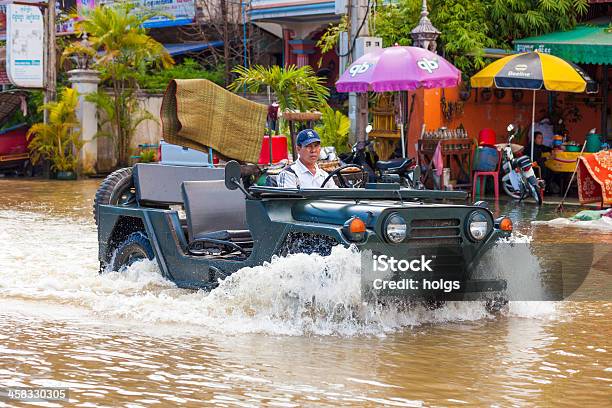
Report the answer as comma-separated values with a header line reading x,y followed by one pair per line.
x,y
518,178
402,170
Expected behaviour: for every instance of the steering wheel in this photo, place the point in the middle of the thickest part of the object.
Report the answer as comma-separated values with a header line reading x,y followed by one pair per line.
x,y
341,179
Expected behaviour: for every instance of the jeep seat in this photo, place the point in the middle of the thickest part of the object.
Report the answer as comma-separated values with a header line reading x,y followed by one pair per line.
x,y
215,212
160,184
394,164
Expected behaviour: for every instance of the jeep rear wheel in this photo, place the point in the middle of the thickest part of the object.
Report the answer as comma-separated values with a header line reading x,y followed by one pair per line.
x,y
116,189
135,247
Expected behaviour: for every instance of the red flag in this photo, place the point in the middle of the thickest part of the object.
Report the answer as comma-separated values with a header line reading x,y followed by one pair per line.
x,y
437,159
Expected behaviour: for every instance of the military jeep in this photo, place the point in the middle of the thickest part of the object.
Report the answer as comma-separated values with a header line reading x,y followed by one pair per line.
x,y
201,224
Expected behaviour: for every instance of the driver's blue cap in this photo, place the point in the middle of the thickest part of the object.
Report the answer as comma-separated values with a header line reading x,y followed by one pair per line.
x,y
306,137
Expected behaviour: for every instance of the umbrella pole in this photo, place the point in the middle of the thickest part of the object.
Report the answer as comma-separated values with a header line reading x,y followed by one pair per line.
x,y
532,124
402,136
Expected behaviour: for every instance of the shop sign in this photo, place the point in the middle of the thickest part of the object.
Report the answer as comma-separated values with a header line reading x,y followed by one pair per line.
x,y
533,47
25,45
174,12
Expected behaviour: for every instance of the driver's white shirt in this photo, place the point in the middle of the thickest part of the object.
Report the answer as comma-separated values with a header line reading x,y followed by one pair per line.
x,y
287,179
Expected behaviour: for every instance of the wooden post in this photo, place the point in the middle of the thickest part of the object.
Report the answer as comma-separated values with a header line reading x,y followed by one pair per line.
x,y
293,134
361,118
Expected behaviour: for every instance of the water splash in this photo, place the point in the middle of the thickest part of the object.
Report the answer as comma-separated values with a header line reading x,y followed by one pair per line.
x,y
513,261
294,295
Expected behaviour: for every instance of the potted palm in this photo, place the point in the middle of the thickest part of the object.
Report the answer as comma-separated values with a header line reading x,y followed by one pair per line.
x,y
298,91
295,88
58,140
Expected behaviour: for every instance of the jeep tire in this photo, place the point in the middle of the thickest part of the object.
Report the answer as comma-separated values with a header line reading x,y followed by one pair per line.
x,y
116,189
134,248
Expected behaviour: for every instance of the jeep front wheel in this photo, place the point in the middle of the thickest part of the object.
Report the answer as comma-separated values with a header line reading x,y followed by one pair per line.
x,y
135,247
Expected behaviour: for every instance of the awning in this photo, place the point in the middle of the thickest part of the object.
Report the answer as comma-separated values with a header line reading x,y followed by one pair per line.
x,y
184,48
585,44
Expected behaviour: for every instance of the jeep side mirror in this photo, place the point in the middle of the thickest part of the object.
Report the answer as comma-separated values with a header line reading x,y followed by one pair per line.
x,y
232,175
368,129
510,127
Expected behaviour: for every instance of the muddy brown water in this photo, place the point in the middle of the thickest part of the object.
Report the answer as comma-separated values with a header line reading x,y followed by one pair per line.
x,y
135,339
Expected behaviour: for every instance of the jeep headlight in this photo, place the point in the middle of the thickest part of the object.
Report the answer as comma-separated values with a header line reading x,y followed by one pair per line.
x,y
477,226
395,228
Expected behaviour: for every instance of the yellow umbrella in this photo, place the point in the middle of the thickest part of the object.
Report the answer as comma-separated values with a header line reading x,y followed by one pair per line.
x,y
533,71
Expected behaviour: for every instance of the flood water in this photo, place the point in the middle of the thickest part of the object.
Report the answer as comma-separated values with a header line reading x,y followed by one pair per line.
x,y
134,339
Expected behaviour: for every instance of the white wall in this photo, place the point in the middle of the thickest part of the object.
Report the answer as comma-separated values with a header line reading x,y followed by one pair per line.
x,y
149,132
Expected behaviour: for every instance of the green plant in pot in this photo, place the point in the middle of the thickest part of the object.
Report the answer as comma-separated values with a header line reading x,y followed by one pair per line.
x,y
148,156
294,88
59,140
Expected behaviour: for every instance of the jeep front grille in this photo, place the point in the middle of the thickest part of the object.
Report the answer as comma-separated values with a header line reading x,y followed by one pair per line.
x,y
435,231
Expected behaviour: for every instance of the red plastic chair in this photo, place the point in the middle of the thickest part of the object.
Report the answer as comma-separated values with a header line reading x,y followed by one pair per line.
x,y
482,175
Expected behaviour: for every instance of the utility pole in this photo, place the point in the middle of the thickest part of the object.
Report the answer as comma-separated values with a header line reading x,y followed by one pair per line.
x,y
226,50
358,103
50,68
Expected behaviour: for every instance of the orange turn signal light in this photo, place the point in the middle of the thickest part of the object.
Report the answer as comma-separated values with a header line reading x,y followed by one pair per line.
x,y
505,224
357,226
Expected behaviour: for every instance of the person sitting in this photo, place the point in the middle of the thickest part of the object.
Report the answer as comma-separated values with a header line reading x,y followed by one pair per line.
x,y
538,148
305,173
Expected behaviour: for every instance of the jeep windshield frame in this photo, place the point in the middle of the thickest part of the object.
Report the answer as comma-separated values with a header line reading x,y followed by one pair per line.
x,y
356,193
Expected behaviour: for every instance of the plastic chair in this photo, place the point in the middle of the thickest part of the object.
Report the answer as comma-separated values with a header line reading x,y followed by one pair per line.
x,y
537,169
482,175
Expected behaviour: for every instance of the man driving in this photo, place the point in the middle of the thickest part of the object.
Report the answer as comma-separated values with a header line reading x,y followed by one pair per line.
x,y
305,173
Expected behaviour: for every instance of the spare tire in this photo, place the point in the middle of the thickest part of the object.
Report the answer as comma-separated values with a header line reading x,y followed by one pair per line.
x,y
116,189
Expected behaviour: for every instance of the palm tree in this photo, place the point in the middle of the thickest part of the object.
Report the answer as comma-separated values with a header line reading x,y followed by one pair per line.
x,y
123,49
58,140
295,88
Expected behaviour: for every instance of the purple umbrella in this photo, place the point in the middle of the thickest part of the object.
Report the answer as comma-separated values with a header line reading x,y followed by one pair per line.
x,y
398,69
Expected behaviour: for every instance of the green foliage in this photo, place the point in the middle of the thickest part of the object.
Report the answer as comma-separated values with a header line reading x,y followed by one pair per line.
x,y
295,88
331,36
34,100
148,156
334,129
124,51
157,80
468,26
59,140
117,32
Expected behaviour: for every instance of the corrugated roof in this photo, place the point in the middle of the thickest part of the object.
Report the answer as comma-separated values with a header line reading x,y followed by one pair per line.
x,y
184,48
585,44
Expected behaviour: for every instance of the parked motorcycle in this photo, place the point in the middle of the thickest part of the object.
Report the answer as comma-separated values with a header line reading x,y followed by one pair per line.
x,y
518,178
402,170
